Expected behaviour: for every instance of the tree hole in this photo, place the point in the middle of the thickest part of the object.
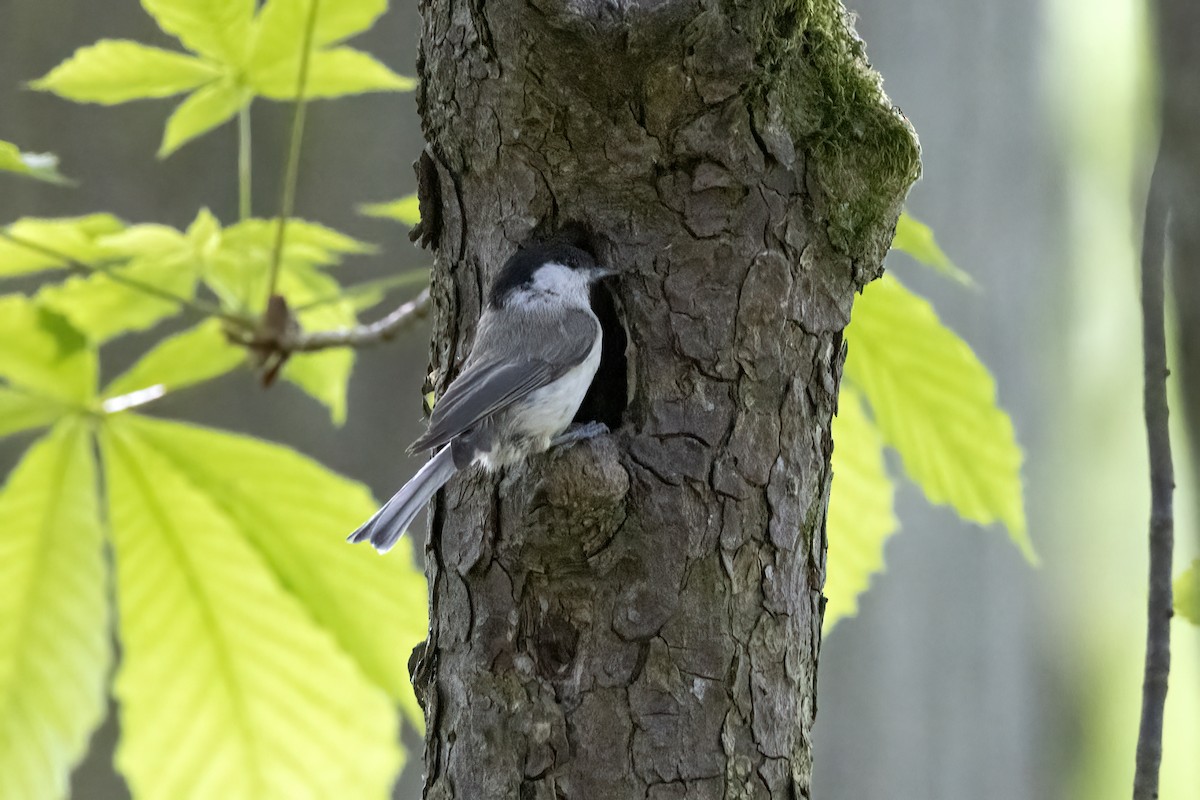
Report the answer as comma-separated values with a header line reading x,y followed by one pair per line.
x,y
606,397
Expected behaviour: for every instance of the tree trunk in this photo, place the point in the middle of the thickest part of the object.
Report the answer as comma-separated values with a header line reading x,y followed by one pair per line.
x,y
639,616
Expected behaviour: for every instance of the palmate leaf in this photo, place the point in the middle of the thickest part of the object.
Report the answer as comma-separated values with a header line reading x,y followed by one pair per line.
x,y
305,242
241,55
296,513
54,618
861,515
935,403
39,166
281,24
21,411
208,107
187,358
102,306
115,71
51,240
228,687
42,355
331,73
237,271
1187,594
219,29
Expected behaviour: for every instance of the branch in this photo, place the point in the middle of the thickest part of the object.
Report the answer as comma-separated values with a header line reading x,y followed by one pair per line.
x,y
1162,484
284,340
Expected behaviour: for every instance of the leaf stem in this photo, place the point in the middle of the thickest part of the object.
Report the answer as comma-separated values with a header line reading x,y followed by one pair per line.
x,y
287,200
245,208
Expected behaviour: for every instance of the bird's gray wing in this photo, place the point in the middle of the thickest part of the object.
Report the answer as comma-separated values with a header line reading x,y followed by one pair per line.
x,y
491,381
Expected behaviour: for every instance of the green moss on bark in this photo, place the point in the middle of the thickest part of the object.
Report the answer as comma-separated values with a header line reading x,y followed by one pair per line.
x,y
864,152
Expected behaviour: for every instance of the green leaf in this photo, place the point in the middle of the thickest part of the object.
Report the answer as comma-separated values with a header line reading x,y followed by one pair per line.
x,y
42,354
115,71
219,29
296,514
54,617
331,73
1187,594
407,209
861,516
32,245
326,374
102,306
916,239
203,110
39,166
227,686
193,356
149,240
282,23
21,411
936,404
305,242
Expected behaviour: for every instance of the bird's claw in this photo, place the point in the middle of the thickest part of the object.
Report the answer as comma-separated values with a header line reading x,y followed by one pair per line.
x,y
578,433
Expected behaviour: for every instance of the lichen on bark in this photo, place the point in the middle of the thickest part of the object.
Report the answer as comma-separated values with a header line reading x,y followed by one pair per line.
x,y
639,616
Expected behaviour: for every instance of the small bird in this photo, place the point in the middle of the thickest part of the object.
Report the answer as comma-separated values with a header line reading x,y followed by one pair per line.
x,y
537,348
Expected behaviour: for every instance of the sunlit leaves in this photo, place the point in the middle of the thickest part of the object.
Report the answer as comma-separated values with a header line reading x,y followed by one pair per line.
x,y
407,209
238,266
332,73
54,618
219,29
40,166
20,411
228,686
202,111
32,245
294,512
42,355
916,239
116,71
935,403
240,55
281,26
1187,594
861,517
193,356
108,303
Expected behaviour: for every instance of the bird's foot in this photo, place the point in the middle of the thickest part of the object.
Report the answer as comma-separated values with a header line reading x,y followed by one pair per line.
x,y
577,433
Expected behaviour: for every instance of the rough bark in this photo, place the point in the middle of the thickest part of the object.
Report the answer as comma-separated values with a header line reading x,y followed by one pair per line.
x,y
639,616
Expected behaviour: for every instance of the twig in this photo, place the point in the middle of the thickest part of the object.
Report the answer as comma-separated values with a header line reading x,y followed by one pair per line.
x,y
198,306
287,199
291,340
245,175
1162,484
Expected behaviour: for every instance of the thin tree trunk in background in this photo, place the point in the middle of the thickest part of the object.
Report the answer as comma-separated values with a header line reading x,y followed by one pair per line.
x,y
640,616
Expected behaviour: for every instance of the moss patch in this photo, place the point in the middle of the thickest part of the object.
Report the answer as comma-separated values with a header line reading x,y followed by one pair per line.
x,y
864,152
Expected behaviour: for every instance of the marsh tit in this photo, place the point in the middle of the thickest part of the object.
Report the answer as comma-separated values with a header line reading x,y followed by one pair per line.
x,y
537,348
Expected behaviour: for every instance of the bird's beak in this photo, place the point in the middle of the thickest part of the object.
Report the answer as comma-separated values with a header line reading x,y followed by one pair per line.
x,y
600,273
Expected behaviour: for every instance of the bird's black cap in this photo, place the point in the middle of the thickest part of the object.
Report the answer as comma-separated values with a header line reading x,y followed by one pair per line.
x,y
518,271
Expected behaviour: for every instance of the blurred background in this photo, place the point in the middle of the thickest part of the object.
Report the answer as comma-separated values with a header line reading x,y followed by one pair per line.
x,y
968,673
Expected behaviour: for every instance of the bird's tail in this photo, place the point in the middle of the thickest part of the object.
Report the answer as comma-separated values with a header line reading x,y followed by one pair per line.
x,y
390,522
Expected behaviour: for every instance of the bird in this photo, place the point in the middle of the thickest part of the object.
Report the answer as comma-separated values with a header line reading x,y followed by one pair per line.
x,y
536,350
